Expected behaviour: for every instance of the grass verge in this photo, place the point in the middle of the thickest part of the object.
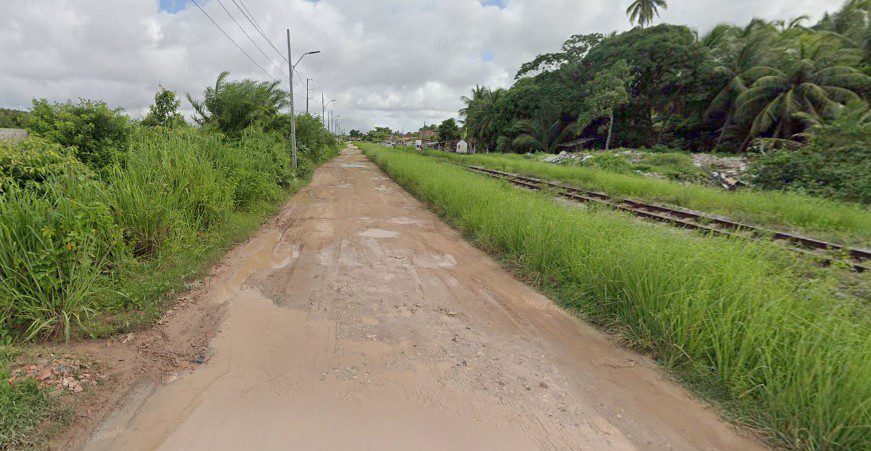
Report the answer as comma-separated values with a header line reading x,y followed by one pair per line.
x,y
758,329
91,255
827,219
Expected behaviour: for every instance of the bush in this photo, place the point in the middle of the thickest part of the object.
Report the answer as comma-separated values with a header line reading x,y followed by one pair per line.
x,y
836,162
95,133
609,162
29,163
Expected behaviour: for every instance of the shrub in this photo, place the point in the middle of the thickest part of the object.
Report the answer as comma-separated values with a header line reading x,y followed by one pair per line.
x,y
30,162
95,133
836,162
608,162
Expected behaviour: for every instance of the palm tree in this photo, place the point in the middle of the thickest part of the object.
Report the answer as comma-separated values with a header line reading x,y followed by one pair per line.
x,y
741,54
542,136
232,106
808,84
642,11
479,115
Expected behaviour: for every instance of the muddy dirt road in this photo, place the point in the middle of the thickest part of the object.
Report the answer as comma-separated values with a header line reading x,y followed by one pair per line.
x,y
359,320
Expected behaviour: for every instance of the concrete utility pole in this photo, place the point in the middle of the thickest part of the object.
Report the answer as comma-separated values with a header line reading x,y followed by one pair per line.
x,y
323,111
290,67
292,113
307,92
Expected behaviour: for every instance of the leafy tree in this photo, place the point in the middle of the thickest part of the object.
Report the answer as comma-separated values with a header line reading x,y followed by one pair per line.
x,y
665,62
233,106
573,50
808,83
355,134
95,133
448,130
164,111
642,11
608,91
379,134
12,118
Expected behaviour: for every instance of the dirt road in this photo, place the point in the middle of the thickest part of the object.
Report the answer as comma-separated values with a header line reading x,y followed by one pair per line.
x,y
359,320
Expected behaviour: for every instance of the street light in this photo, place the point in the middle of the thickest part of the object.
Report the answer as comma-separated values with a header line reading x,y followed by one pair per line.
x,y
303,56
324,110
290,70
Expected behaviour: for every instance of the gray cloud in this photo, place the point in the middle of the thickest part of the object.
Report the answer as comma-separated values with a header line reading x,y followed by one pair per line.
x,y
387,62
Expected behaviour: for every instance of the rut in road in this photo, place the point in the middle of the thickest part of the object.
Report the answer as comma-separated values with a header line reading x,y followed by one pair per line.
x,y
359,320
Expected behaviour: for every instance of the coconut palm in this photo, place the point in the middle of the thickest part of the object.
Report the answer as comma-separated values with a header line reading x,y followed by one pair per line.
x,y
807,84
642,11
741,54
479,114
542,136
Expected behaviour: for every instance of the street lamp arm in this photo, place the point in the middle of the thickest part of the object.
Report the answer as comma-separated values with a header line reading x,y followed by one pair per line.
x,y
303,56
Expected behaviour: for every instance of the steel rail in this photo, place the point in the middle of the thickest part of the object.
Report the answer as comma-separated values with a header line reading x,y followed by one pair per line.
x,y
685,219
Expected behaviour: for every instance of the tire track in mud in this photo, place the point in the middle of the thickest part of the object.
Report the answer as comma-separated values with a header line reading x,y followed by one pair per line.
x,y
357,319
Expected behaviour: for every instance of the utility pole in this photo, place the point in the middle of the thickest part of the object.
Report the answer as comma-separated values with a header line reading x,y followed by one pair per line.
x,y
323,111
292,113
307,92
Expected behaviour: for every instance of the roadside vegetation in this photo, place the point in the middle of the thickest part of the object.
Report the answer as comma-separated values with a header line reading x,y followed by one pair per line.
x,y
102,215
792,92
755,329
830,219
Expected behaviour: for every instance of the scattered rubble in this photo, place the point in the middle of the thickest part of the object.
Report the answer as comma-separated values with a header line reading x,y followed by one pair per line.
x,y
727,172
63,372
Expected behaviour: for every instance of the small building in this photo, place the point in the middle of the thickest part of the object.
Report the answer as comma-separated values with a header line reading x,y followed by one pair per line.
x,y
462,146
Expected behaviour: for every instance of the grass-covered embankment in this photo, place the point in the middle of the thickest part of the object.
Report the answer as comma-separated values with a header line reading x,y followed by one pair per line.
x,y
740,320
818,217
91,251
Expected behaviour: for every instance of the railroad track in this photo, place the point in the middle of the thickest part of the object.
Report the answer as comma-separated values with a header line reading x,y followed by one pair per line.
x,y
824,251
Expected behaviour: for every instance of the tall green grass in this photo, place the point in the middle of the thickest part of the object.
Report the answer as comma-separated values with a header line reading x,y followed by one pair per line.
x,y
761,330
77,249
850,223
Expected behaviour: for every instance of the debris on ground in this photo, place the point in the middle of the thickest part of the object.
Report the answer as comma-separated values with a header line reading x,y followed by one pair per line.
x,y
727,172
63,372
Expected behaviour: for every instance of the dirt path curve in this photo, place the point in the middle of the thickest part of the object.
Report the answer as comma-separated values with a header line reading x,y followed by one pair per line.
x,y
359,320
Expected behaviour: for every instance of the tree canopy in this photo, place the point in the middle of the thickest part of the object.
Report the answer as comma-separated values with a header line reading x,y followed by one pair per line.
x,y
723,90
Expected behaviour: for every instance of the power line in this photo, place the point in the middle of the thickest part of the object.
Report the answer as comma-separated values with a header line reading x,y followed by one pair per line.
x,y
250,16
246,12
248,36
231,40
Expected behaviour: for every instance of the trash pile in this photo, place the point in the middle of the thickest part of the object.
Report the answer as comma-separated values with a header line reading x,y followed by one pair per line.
x,y
727,172
65,373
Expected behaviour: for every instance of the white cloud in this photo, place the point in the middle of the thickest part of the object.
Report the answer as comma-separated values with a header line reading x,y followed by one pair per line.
x,y
387,62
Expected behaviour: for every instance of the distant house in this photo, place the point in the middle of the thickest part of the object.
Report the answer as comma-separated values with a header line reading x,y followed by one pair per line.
x,y
462,146
12,133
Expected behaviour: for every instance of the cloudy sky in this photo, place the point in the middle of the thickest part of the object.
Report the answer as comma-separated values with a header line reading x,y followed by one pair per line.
x,y
400,63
